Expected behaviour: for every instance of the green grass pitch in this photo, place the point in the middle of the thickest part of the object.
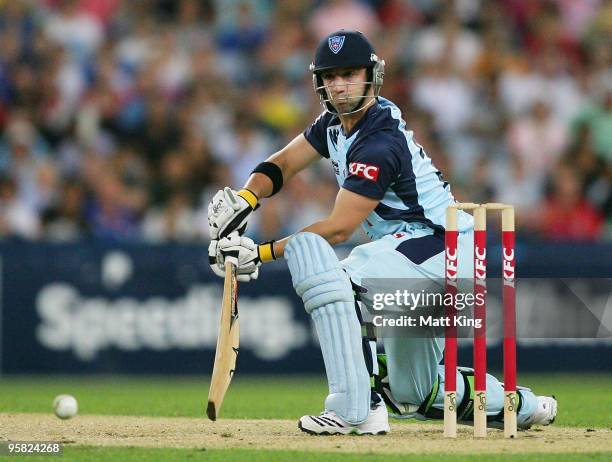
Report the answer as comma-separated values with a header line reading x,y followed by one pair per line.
x,y
585,401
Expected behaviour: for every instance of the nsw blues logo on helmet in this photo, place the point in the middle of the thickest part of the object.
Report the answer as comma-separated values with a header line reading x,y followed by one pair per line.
x,y
335,43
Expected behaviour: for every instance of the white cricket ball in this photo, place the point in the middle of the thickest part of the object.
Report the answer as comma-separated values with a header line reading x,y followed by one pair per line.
x,y
65,406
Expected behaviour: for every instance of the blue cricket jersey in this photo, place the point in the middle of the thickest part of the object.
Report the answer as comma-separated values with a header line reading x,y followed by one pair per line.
x,y
380,159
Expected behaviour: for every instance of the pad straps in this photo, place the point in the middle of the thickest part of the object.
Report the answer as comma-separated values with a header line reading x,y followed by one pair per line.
x,y
368,340
465,410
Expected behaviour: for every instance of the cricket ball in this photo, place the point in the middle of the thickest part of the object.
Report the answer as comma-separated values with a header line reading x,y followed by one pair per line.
x,y
65,406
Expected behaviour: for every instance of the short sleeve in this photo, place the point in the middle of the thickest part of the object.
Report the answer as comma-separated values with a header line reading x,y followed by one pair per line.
x,y
316,134
372,168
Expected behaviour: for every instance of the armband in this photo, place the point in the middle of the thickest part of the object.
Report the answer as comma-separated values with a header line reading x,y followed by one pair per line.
x,y
272,171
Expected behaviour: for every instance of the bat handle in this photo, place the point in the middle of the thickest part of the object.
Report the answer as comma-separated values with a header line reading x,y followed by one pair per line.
x,y
230,260
231,257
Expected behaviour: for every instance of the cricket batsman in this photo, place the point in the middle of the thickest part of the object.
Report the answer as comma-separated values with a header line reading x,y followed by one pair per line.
x,y
389,186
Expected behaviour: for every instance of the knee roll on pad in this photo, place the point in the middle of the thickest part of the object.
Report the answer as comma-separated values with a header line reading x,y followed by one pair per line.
x,y
316,273
328,297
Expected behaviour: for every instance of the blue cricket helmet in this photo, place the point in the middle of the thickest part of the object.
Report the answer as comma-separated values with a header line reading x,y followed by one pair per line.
x,y
343,48
346,48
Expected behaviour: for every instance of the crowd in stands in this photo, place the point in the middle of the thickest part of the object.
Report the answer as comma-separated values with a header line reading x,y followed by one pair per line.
x,y
120,119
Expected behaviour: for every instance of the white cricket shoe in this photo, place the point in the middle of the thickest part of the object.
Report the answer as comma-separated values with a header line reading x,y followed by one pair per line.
x,y
545,413
329,423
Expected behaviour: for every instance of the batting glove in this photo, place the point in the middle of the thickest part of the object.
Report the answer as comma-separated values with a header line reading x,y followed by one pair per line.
x,y
229,211
248,254
217,267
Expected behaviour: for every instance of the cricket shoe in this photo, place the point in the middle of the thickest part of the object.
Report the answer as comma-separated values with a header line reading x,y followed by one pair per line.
x,y
545,413
329,423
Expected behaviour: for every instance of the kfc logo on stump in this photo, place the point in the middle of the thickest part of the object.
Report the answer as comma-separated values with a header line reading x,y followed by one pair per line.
x,y
367,171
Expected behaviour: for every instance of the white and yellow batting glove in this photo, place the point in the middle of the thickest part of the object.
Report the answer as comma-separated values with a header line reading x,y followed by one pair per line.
x,y
249,255
229,211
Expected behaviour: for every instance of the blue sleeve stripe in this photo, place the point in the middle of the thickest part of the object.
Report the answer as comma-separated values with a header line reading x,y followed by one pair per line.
x,y
408,187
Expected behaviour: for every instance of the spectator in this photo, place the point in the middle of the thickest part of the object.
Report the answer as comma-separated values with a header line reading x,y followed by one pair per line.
x,y
243,148
447,41
537,141
66,220
442,92
598,118
78,31
176,221
109,215
119,120
16,218
343,14
566,214
596,173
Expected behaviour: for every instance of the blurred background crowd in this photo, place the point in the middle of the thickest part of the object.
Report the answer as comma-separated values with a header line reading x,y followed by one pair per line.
x,y
120,119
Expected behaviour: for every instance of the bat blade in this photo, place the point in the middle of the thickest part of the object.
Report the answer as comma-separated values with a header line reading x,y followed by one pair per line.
x,y
228,344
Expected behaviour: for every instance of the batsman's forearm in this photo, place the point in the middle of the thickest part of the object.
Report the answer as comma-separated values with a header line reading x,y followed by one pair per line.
x,y
325,229
331,230
260,184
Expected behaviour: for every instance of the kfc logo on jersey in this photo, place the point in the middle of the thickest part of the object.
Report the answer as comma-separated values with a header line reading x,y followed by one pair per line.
x,y
367,171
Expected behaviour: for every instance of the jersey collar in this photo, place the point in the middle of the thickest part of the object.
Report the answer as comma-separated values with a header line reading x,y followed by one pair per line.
x,y
371,110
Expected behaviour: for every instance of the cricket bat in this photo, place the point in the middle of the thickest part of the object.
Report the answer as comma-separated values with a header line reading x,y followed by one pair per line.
x,y
227,343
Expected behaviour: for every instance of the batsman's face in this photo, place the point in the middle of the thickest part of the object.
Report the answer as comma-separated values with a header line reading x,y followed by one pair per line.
x,y
345,87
